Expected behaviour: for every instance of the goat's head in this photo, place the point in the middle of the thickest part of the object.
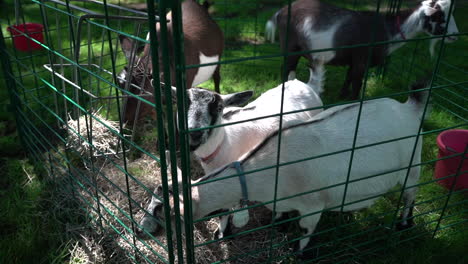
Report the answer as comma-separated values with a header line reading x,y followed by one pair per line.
x,y
135,77
205,109
154,219
436,19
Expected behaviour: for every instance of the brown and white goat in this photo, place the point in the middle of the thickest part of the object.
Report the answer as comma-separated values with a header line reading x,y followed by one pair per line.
x,y
203,43
317,25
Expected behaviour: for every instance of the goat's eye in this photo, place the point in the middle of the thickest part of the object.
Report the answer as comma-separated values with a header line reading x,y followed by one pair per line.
x,y
220,107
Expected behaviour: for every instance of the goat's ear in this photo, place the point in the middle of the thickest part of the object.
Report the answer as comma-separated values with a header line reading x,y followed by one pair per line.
x,y
159,190
237,99
127,46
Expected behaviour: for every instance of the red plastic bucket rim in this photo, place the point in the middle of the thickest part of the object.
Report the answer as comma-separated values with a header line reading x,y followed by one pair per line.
x,y
440,142
30,27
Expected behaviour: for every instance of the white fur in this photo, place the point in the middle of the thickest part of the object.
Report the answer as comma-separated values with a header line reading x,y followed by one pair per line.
x,y
320,39
335,132
452,29
317,77
236,140
291,75
204,73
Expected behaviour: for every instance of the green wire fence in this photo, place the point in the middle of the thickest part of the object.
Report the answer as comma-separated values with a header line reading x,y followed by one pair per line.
x,y
70,109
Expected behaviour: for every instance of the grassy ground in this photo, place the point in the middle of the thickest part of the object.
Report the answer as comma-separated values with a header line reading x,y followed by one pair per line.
x,y
40,223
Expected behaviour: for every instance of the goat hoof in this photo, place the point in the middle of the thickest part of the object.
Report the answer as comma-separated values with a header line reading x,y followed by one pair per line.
x,y
308,253
218,234
284,227
401,226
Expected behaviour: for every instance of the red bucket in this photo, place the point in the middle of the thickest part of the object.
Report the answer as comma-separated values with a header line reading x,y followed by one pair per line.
x,y
22,42
452,142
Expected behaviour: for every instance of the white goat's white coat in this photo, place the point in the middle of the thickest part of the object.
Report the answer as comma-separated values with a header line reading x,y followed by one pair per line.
x,y
236,140
331,130
232,141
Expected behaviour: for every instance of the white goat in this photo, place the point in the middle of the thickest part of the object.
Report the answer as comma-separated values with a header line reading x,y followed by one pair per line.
x,y
216,147
226,144
223,145
330,131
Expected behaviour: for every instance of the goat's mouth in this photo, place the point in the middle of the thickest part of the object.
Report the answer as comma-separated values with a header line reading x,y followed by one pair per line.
x,y
148,226
141,234
196,141
194,146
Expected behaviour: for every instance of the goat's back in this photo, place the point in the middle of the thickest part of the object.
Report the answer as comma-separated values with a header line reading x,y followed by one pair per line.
x,y
244,137
200,29
352,28
332,131
297,96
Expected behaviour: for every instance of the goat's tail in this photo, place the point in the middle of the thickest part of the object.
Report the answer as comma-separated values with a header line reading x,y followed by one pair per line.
x,y
419,95
270,28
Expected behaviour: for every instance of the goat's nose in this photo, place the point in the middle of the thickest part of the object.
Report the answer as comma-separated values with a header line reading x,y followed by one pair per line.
x,y
139,232
196,135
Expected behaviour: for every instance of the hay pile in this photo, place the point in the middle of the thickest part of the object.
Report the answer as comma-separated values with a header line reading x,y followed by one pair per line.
x,y
103,140
114,248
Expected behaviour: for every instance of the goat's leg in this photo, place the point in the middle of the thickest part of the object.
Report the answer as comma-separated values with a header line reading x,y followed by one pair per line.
x,y
357,79
409,195
291,60
279,217
291,65
217,78
308,224
224,227
317,76
345,89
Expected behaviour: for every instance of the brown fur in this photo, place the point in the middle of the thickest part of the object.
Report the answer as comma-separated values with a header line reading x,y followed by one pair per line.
x,y
201,34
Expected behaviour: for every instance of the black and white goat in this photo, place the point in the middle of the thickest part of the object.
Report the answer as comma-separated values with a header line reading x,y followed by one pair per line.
x,y
317,25
216,147
203,43
327,132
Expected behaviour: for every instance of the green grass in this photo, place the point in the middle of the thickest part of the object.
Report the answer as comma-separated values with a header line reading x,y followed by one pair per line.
x,y
33,228
30,233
